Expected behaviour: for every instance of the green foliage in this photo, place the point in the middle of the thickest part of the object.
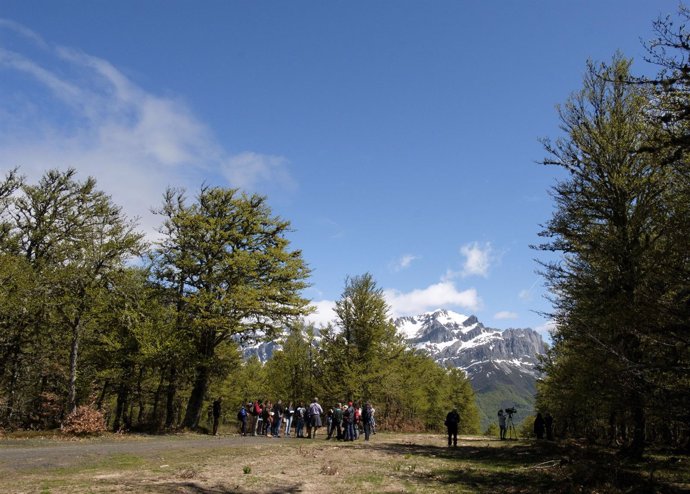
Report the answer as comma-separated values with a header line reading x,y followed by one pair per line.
x,y
620,287
228,263
492,430
526,429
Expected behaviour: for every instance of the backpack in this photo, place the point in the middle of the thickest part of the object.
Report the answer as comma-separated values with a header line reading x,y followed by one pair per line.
x,y
241,414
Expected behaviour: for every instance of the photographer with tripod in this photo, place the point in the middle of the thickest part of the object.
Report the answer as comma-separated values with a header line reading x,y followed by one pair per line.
x,y
501,424
509,422
505,423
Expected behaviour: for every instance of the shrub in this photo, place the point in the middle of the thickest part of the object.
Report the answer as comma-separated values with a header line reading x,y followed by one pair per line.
x,y
84,421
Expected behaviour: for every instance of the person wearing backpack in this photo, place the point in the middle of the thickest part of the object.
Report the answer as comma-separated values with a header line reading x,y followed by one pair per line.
x,y
336,422
349,420
300,413
452,421
256,412
242,419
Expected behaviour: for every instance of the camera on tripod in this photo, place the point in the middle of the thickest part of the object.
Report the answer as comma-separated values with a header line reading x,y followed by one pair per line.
x,y
510,411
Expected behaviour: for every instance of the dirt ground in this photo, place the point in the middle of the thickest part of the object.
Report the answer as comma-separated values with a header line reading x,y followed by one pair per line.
x,y
389,463
191,463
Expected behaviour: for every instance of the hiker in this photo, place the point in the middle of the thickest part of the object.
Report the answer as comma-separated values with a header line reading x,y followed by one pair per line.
x,y
277,418
452,421
216,414
368,419
336,422
289,412
242,420
258,418
300,412
539,426
315,412
502,424
349,420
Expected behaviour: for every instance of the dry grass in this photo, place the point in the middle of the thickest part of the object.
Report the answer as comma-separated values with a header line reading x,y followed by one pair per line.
x,y
390,463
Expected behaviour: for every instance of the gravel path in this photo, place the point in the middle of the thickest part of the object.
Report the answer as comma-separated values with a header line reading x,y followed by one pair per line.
x,y
21,454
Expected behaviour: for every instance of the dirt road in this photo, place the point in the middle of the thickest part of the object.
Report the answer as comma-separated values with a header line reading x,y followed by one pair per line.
x,y
31,454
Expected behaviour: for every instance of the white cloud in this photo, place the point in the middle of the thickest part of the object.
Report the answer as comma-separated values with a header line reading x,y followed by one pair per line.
x,y
525,295
546,329
443,294
403,262
324,313
477,259
93,118
504,314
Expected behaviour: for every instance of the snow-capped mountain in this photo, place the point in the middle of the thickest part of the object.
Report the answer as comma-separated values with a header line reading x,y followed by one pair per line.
x,y
499,364
464,342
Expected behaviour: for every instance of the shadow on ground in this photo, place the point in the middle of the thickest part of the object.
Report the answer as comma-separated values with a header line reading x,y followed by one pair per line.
x,y
492,466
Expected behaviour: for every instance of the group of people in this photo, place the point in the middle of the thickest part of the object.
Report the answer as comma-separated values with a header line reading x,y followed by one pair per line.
x,y
342,422
543,424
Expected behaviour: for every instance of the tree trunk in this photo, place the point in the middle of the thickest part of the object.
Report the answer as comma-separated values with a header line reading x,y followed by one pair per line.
x,y
155,418
121,407
101,397
170,398
140,397
639,424
73,358
196,399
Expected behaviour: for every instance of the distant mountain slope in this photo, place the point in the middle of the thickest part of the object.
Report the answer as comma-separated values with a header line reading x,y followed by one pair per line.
x,y
499,364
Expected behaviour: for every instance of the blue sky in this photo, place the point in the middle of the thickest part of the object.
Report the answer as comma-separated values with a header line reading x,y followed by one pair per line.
x,y
400,138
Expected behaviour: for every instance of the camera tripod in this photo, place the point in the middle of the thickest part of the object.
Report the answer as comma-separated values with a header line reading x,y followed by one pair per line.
x,y
511,427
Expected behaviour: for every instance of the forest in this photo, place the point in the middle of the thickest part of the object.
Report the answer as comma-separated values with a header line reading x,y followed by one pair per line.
x,y
148,333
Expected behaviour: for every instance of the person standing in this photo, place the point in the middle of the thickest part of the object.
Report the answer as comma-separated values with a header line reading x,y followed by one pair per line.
x,y
368,419
315,412
502,424
337,422
300,412
242,420
539,426
349,420
277,418
216,414
452,422
289,413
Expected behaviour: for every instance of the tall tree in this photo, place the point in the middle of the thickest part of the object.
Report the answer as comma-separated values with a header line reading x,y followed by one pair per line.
x,y
73,236
228,260
611,223
367,335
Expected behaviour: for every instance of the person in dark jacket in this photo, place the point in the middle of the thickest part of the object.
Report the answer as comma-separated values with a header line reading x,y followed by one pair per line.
x,y
452,422
539,426
216,414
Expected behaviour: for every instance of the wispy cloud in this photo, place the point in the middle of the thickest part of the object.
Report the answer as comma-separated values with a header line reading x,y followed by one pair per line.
x,y
403,262
504,314
527,294
94,118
